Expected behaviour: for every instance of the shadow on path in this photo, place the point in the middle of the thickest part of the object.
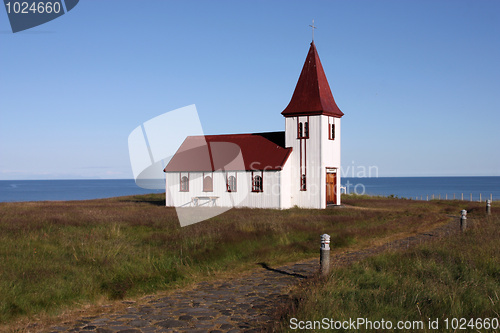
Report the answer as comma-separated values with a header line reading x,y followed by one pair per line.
x,y
265,266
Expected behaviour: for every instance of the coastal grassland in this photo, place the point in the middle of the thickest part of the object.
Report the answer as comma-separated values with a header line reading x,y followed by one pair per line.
x,y
57,256
455,277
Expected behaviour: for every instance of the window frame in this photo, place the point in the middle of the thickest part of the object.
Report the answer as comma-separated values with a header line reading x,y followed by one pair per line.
x,y
331,128
258,188
303,128
209,175
181,183
228,187
303,182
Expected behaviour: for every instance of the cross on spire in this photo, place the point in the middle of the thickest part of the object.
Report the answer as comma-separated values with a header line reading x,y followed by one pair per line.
x,y
313,27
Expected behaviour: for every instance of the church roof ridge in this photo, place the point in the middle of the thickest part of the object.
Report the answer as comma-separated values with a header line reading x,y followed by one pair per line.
x,y
259,151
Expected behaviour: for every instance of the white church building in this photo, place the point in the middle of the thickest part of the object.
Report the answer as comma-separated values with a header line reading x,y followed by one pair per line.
x,y
297,167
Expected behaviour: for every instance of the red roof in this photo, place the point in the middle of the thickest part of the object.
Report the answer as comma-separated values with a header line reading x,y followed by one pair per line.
x,y
312,95
259,151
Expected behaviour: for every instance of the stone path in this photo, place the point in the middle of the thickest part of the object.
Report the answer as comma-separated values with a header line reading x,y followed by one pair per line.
x,y
244,304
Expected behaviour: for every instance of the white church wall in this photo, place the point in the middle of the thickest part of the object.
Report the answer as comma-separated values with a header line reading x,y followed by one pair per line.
x,y
242,197
312,197
331,152
319,153
311,154
285,185
270,195
330,148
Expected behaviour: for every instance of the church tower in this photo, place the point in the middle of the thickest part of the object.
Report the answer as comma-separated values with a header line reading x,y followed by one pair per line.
x,y
312,130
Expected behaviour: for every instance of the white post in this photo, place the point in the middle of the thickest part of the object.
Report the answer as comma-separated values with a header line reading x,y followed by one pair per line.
x,y
463,220
324,257
488,207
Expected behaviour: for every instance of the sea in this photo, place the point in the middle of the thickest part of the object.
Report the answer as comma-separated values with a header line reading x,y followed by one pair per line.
x,y
421,188
427,188
66,190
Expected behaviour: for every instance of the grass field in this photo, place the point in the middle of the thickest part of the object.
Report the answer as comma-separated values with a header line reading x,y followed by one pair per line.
x,y
57,256
450,285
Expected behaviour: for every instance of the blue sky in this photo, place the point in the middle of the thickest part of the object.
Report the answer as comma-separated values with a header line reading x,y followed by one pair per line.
x,y
418,81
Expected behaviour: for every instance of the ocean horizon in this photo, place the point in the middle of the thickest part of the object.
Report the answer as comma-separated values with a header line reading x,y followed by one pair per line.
x,y
68,189
427,188
421,188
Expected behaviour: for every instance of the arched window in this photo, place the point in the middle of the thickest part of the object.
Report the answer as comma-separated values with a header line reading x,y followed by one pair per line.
x,y
231,184
184,184
301,131
208,185
257,184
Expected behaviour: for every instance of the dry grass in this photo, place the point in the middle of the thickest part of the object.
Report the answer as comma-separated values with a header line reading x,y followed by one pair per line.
x,y
455,277
58,256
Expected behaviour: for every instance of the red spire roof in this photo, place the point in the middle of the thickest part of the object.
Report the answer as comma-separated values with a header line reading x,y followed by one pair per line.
x,y
312,95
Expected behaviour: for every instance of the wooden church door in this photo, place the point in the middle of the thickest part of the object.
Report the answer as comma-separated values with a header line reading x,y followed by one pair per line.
x,y
331,182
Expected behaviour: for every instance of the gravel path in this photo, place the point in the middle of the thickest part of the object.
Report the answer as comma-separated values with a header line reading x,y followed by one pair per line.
x,y
244,304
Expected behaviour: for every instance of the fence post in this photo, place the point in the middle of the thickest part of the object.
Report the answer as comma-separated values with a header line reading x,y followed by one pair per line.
x,y
324,257
480,198
488,207
463,220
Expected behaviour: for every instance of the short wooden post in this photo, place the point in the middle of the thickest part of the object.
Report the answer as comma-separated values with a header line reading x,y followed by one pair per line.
x,y
463,220
471,197
446,196
488,207
462,196
480,198
324,257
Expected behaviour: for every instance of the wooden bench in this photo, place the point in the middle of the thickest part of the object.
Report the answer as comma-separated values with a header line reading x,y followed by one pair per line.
x,y
195,201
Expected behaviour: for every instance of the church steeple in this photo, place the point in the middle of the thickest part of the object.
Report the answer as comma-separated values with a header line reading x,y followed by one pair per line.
x,y
312,95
